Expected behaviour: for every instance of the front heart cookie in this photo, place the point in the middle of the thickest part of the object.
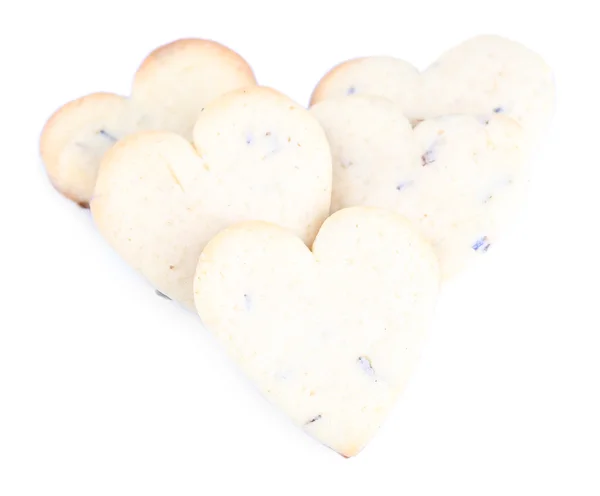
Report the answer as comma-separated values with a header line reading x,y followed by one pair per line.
x,y
169,90
460,180
482,76
330,337
256,154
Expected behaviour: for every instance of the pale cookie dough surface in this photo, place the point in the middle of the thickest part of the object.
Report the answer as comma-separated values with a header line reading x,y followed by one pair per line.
x,y
255,155
329,337
169,90
459,179
481,76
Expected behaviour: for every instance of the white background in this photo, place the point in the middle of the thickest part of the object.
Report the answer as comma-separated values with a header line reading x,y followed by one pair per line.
x,y
106,389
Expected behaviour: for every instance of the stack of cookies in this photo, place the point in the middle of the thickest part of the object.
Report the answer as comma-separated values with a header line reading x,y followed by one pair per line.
x,y
313,241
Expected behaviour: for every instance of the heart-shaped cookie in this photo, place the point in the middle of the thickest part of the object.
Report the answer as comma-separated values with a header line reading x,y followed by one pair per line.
x,y
169,90
255,155
481,76
459,179
331,336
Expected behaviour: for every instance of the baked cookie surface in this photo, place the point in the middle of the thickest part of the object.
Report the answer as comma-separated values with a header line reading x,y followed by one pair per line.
x,y
329,336
459,179
169,90
482,76
255,155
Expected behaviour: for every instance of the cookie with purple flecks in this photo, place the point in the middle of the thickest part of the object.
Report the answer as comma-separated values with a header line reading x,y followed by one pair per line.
x,y
461,180
482,76
255,155
329,336
169,90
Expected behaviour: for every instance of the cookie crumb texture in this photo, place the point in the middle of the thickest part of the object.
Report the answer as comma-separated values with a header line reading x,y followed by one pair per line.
x,y
331,336
460,180
159,199
170,88
483,75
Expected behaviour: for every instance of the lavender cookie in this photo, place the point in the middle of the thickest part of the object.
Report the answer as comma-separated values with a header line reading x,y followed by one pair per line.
x,y
459,179
170,88
330,336
482,76
255,155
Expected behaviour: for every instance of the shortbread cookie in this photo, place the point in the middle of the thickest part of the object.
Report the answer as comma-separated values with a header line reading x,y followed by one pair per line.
x,y
482,76
256,154
459,179
170,88
331,336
